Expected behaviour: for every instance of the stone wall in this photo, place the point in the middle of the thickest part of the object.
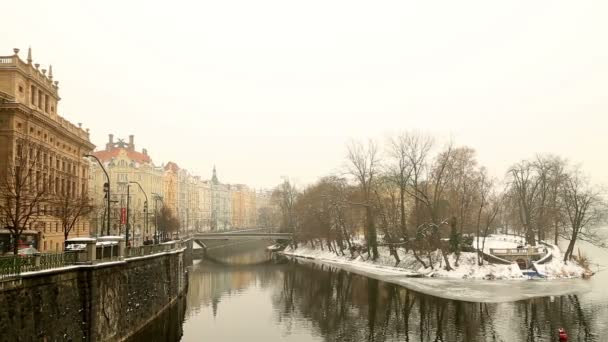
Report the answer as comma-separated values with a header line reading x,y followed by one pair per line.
x,y
103,302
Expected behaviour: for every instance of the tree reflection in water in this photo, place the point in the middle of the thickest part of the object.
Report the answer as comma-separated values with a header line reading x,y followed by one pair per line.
x,y
347,307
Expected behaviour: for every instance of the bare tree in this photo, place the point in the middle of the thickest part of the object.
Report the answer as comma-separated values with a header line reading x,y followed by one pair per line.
x,y
430,195
285,197
525,189
69,209
168,223
417,148
401,171
490,204
387,203
363,166
24,189
583,206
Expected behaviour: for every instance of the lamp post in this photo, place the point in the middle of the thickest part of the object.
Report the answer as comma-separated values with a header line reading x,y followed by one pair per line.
x,y
127,220
156,198
145,206
106,188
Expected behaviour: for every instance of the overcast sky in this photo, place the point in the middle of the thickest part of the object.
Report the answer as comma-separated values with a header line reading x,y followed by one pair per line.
x,y
264,89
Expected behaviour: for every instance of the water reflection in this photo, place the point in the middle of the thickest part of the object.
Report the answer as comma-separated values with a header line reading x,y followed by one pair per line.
x,y
166,327
242,294
346,307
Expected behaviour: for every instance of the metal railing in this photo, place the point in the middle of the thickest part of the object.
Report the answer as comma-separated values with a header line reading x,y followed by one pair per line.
x,y
11,266
517,251
14,265
153,249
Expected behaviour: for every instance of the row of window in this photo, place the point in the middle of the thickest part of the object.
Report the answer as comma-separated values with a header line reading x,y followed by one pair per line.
x,y
55,227
42,135
41,100
61,164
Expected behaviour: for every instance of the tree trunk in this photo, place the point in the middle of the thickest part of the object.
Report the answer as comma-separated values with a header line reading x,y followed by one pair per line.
x,y
371,230
393,252
418,258
66,233
16,237
402,218
571,244
445,258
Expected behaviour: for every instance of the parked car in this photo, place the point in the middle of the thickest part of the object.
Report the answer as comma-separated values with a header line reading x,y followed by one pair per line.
x,y
28,251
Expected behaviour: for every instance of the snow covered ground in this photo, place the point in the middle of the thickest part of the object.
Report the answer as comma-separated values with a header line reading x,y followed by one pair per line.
x,y
467,267
499,241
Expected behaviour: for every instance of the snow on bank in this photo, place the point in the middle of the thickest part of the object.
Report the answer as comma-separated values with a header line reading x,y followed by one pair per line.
x,y
467,264
409,266
471,290
555,268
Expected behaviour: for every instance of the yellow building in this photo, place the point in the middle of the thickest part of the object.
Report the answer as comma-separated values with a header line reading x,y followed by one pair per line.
x,y
29,98
243,207
170,186
126,168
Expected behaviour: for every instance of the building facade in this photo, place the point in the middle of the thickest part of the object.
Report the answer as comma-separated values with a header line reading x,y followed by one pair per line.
x,y
29,116
221,204
205,206
187,200
244,213
126,168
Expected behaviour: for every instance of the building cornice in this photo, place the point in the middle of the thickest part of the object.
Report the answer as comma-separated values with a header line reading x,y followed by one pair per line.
x,y
56,126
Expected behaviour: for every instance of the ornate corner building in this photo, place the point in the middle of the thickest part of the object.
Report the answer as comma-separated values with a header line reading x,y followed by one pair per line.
x,y
29,98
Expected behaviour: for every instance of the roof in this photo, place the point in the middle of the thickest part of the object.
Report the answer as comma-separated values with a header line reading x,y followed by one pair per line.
x,y
113,153
172,166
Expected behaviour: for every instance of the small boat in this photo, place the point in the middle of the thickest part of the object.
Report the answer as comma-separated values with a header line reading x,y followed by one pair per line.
x,y
275,248
532,274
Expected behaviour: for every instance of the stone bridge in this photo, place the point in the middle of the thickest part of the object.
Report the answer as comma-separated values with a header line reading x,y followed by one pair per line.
x,y
210,239
200,238
524,257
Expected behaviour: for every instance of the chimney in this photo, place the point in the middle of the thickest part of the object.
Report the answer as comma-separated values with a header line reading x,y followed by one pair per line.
x,y
144,151
131,142
110,144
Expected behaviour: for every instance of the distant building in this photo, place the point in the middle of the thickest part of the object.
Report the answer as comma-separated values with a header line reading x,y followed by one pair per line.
x,y
170,180
29,98
204,221
244,214
125,164
267,211
187,200
221,204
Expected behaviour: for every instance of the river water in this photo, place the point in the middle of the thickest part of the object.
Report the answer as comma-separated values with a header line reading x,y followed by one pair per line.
x,y
244,294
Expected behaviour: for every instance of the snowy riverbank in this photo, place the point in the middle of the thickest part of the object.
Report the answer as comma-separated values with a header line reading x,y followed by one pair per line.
x,y
467,265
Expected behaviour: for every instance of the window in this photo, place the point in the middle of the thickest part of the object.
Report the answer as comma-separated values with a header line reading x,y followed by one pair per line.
x,y
46,103
44,249
40,98
21,89
33,95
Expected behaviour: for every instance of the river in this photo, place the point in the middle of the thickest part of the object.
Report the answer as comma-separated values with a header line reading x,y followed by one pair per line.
x,y
244,294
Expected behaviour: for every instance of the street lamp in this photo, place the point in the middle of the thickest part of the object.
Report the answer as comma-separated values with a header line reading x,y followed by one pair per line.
x,y
156,198
145,206
106,189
